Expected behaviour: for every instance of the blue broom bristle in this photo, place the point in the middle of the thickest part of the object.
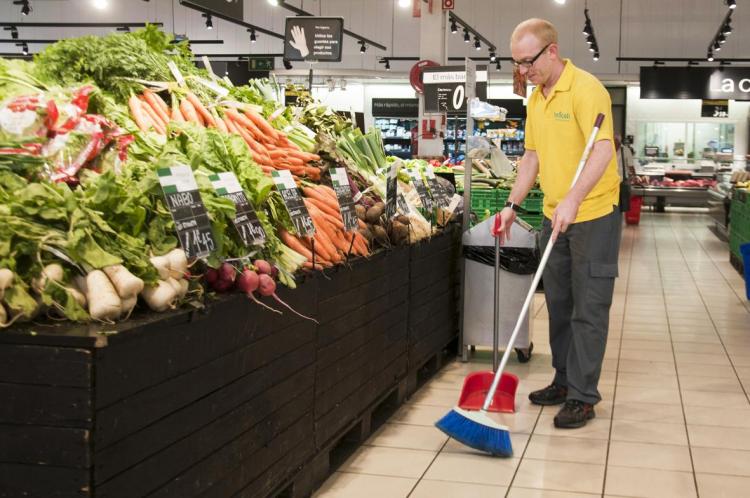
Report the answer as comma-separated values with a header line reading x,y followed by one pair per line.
x,y
476,435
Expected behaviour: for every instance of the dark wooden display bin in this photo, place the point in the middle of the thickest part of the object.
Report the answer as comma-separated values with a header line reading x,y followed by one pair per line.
x,y
226,401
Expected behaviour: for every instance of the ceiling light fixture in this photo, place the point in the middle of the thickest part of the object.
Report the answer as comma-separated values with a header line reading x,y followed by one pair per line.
x,y
454,27
100,4
467,38
275,3
560,2
493,56
24,48
363,47
588,33
404,4
14,32
387,65
498,66
727,29
209,21
25,6
253,36
477,43
732,4
287,64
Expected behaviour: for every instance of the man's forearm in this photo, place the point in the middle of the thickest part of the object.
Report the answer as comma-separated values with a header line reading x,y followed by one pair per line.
x,y
601,155
528,170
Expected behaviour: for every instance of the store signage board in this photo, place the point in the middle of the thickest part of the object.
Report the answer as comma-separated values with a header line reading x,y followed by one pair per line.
x,y
715,83
313,39
229,8
295,206
395,108
340,181
421,188
445,88
188,211
391,190
246,220
438,192
261,63
715,109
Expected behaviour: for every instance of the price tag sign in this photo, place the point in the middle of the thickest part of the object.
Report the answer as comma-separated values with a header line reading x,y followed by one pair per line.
x,y
340,181
438,192
188,212
403,206
391,190
246,221
421,188
295,206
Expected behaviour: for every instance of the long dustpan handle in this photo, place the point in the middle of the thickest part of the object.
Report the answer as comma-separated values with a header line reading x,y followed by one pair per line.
x,y
537,276
496,300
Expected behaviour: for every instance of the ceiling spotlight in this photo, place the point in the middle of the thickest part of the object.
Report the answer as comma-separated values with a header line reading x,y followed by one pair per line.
x,y
692,63
596,55
727,29
123,29
100,4
732,4
493,56
287,65
454,27
590,39
404,3
593,48
560,2
498,66
209,21
722,39
467,38
25,6
387,65
24,48
363,47
253,38
477,43
587,28
717,46
14,32
274,2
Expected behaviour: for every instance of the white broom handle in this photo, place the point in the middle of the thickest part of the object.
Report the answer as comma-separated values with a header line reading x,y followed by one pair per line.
x,y
538,275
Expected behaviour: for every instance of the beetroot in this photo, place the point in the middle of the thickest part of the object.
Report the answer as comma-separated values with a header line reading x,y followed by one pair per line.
x,y
263,267
247,282
227,272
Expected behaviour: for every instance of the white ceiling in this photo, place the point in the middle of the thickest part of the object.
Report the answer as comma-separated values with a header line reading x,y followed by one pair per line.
x,y
645,28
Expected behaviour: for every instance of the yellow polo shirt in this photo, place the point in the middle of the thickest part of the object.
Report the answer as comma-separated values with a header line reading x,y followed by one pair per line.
x,y
557,128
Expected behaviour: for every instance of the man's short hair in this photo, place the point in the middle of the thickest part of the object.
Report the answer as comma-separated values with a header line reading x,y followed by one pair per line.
x,y
543,30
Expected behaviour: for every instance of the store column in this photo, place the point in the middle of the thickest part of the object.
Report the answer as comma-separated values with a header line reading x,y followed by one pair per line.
x,y
432,46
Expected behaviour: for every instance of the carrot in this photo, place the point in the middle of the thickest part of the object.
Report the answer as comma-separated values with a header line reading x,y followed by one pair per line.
x,y
313,193
159,100
296,161
324,247
328,190
201,109
259,155
266,169
322,225
309,265
139,116
153,112
313,174
156,121
159,106
176,114
294,243
188,111
276,154
245,122
323,206
219,122
262,124
230,125
362,225
333,219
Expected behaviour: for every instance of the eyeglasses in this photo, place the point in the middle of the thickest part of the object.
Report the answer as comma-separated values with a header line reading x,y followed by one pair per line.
x,y
528,63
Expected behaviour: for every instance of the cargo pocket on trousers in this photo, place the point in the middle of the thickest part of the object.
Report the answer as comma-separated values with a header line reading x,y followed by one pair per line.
x,y
602,282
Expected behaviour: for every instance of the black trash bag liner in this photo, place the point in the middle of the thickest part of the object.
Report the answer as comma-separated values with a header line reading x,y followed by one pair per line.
x,y
518,260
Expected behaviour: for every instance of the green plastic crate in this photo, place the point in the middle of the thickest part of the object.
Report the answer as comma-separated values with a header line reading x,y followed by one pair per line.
x,y
535,220
739,219
534,202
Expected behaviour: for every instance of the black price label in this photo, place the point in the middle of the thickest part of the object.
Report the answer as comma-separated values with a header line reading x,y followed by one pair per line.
x,y
295,206
446,91
188,212
403,205
438,192
246,220
340,181
391,190
421,189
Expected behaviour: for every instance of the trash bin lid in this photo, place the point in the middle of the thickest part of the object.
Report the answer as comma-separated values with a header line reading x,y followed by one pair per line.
x,y
479,235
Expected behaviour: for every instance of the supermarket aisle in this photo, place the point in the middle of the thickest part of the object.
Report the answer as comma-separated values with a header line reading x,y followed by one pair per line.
x,y
674,421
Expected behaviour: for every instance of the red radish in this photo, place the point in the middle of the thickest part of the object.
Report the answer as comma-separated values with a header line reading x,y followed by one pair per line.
x,y
267,287
263,267
212,276
247,282
227,272
274,272
223,285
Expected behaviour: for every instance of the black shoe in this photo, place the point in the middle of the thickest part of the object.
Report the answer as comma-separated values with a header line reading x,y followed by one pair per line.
x,y
553,394
574,414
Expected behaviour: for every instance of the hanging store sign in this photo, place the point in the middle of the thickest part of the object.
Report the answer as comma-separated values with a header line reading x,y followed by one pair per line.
x,y
261,63
715,109
313,39
229,8
715,83
445,88
395,108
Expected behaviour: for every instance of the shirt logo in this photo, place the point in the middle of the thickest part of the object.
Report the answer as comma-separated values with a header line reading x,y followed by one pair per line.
x,y
562,116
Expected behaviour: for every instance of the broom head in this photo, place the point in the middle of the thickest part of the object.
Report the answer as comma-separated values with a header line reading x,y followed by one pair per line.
x,y
477,430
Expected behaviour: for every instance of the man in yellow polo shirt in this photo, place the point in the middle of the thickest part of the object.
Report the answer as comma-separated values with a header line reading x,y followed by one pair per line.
x,y
583,220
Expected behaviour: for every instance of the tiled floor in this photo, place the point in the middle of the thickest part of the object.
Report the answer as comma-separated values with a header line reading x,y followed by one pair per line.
x,y
674,420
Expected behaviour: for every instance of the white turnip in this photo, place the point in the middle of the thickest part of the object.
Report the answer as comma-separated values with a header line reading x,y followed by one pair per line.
x,y
267,287
126,284
3,317
159,297
178,263
6,280
52,272
77,295
161,263
104,302
128,304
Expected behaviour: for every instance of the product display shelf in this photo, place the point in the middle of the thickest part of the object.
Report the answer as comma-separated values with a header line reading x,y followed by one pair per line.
x,y
230,400
739,221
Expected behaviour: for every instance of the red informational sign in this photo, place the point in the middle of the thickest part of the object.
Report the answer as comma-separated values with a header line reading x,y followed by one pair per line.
x,y
449,4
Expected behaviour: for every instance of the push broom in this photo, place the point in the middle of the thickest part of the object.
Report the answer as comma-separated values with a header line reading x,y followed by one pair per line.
x,y
475,428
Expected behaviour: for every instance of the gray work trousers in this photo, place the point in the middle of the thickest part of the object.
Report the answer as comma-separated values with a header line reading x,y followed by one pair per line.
x,y
578,284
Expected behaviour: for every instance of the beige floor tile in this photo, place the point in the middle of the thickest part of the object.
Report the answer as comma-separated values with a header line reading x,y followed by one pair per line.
x,y
711,384
699,338
713,399
661,346
516,492
646,380
648,395
648,412
646,355
518,441
721,461
625,481
721,371
648,432
734,438
345,485
710,485
698,347
413,437
431,396
724,417
597,428
394,462
560,476
443,489
566,449
642,366
650,456
472,468
418,415
702,359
